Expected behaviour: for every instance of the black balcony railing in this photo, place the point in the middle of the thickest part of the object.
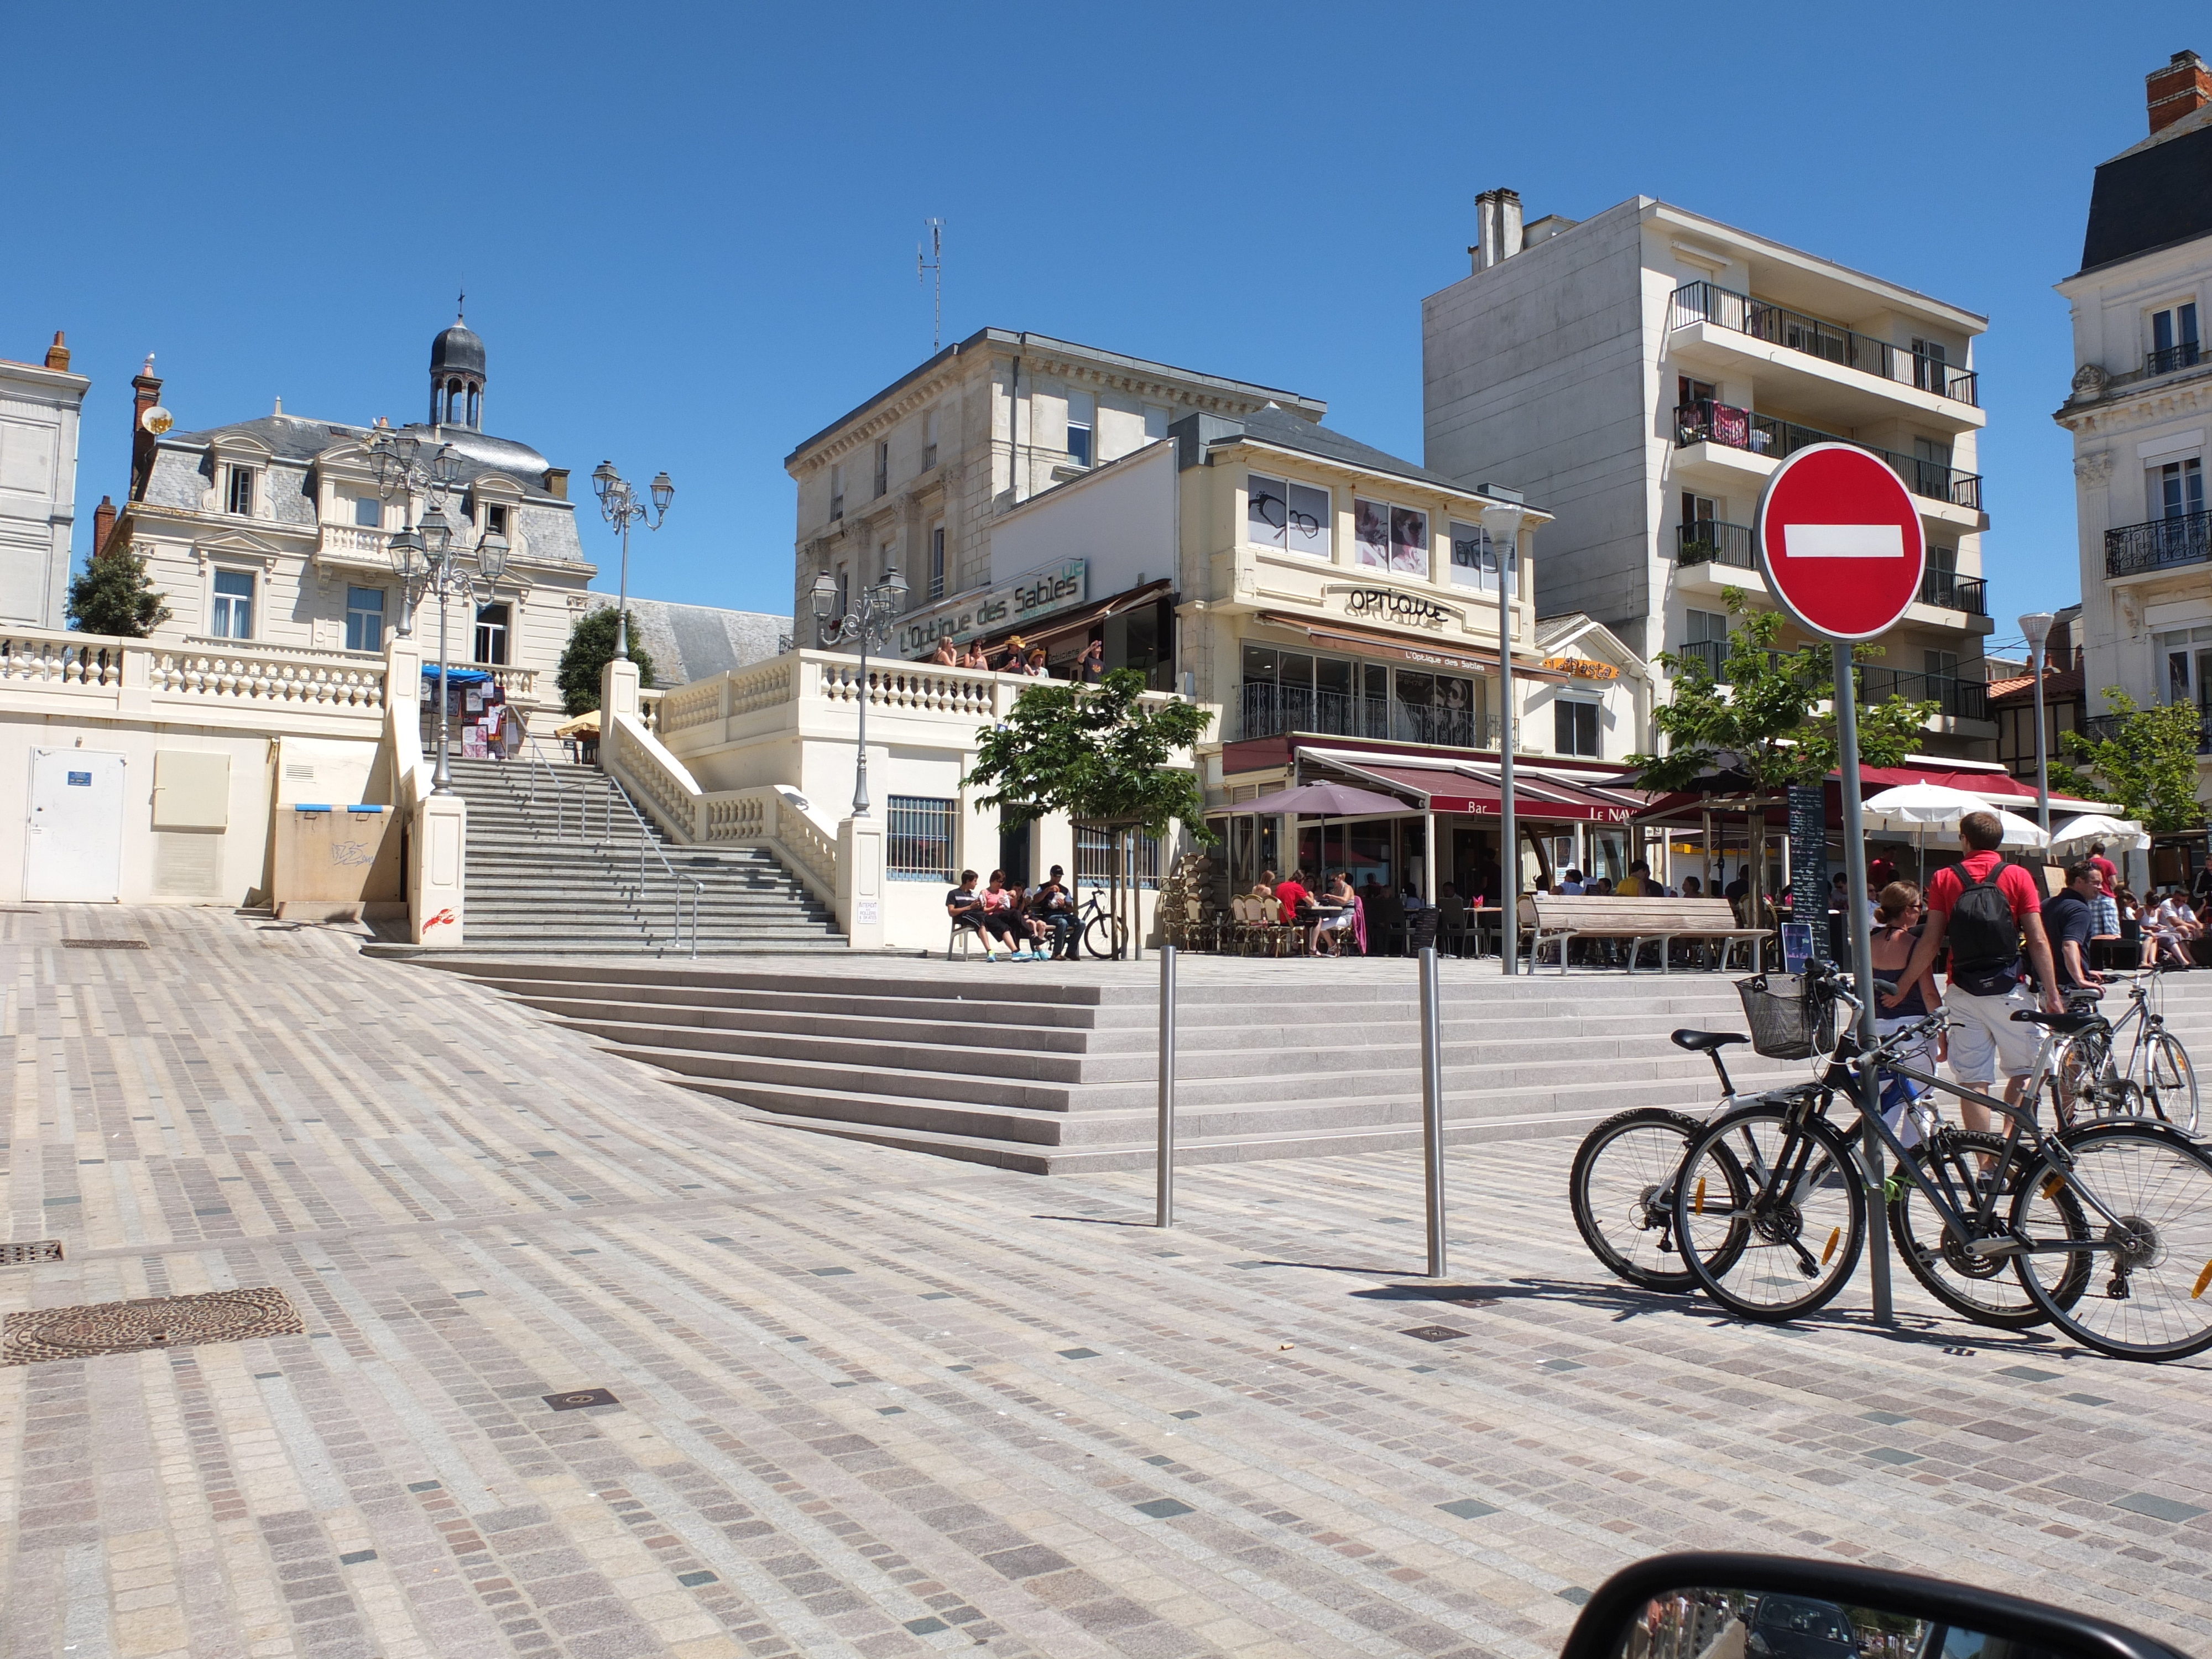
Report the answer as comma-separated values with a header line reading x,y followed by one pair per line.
x,y
2103,728
1948,591
1965,699
1712,654
1832,342
1709,542
1708,422
2134,548
2187,355
1272,710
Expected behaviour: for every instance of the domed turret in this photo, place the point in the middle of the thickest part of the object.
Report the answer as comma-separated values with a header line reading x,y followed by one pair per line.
x,y
457,378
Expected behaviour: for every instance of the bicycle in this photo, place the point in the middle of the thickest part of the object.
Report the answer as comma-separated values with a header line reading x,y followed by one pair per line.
x,y
2129,1197
2156,1078
1106,936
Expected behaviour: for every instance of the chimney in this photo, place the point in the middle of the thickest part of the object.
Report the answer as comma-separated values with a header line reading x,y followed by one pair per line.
x,y
2182,87
1497,228
556,483
149,396
58,354
103,521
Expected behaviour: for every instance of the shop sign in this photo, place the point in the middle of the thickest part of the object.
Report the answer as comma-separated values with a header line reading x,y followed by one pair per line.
x,y
1582,668
1038,594
1397,606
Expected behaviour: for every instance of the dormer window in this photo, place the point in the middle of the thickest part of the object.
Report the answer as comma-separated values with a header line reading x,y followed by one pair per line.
x,y
1082,418
238,492
495,519
836,490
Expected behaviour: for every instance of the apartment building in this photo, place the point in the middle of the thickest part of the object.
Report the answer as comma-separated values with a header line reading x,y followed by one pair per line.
x,y
2139,405
1641,373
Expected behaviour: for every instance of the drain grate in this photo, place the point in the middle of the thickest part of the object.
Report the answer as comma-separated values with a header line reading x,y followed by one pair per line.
x,y
35,1249
106,945
161,1322
1434,1332
577,1400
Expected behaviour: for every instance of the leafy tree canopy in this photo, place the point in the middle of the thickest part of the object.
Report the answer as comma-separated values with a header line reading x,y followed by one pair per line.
x,y
591,647
1099,753
1768,713
113,595
2149,765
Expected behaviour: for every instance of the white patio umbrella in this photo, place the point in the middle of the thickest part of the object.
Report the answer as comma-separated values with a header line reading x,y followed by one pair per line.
x,y
1917,808
2117,835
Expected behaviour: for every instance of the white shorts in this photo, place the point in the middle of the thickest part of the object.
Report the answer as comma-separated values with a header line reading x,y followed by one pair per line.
x,y
1985,1044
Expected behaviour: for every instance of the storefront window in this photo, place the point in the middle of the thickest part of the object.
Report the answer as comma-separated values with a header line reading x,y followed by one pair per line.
x,y
1362,846
1294,517
1409,541
1370,534
1434,709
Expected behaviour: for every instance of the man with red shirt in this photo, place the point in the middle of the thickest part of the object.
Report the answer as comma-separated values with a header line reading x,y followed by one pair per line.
x,y
1985,986
2107,872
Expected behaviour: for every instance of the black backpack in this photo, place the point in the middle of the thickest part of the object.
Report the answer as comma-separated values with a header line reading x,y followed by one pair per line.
x,y
1982,936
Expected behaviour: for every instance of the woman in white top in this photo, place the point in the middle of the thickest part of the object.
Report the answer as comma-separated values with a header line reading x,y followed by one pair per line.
x,y
2170,927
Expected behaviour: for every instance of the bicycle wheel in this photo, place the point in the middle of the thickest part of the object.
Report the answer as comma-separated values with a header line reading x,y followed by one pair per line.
x,y
1988,1290
1778,1237
2076,1073
2146,1193
1106,936
2169,1081
1622,1192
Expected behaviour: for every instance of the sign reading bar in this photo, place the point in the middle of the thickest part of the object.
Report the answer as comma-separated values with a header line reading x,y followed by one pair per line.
x,y
1039,594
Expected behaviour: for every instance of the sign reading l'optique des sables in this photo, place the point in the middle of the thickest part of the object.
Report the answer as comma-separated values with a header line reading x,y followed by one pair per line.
x,y
1038,594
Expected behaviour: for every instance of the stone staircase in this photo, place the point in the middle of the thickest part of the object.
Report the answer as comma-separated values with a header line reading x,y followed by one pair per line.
x,y
1052,1068
535,883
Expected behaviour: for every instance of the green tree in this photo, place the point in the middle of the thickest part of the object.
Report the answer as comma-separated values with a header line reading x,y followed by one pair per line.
x,y
591,647
1768,713
113,595
1099,753
2149,765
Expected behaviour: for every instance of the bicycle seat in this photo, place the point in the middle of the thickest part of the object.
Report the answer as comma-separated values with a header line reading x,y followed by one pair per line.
x,y
1704,1042
2067,1022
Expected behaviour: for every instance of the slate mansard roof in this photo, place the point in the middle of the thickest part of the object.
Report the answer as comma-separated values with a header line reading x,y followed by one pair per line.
x,y
2153,195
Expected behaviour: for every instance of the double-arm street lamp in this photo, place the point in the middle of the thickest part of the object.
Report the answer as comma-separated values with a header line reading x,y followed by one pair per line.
x,y
620,507
870,622
405,473
428,561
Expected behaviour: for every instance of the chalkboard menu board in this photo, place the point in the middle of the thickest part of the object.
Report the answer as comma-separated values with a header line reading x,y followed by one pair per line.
x,y
1808,862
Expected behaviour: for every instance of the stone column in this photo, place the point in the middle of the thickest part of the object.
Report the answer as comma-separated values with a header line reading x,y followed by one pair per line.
x,y
435,895
860,882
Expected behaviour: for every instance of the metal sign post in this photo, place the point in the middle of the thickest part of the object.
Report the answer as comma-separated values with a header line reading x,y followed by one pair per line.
x,y
1432,1107
1164,1196
1841,545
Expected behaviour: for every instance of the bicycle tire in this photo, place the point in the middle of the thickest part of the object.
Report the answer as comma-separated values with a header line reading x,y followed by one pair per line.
x,y
2169,1081
1621,1190
2145,1301
2077,1076
1106,936
1974,1286
1786,1202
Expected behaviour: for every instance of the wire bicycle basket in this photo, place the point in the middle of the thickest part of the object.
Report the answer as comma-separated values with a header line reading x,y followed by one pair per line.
x,y
1791,1017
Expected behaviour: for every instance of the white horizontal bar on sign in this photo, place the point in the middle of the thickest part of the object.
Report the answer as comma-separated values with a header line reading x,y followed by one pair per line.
x,y
1843,541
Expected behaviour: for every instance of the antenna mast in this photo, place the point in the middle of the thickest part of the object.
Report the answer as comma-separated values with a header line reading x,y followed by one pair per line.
x,y
925,262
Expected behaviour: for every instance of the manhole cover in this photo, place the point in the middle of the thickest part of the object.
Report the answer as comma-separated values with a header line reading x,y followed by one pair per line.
x,y
577,1400
1433,1333
105,944
162,1321
35,1249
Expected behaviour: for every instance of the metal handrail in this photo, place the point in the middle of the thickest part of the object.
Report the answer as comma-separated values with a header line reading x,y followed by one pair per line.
x,y
1815,336
611,791
1705,420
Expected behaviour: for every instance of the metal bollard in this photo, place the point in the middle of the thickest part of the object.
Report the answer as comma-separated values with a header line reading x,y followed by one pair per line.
x,y
1432,1107
1163,1200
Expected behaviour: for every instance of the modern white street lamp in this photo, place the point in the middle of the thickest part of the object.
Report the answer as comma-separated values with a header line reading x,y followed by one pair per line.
x,y
870,622
1502,520
2036,625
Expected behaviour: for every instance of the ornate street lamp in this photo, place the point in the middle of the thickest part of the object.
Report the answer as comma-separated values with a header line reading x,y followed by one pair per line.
x,y
2036,625
620,507
870,622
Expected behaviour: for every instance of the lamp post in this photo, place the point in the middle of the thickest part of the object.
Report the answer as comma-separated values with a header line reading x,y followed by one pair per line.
x,y
620,507
2036,625
404,472
1502,522
427,561
870,622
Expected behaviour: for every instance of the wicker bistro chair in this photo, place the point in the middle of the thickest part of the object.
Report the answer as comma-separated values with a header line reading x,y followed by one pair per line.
x,y
1243,922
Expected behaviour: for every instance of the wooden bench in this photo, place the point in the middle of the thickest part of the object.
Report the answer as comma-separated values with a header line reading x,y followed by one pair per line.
x,y
1557,921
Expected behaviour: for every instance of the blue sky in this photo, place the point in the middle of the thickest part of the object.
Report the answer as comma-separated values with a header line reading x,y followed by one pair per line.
x,y
688,232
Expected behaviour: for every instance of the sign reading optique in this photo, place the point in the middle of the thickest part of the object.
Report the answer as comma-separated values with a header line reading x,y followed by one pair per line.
x,y
1038,594
1388,601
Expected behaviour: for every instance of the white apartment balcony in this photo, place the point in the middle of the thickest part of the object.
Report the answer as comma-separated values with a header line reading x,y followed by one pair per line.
x,y
1711,557
1735,446
1827,370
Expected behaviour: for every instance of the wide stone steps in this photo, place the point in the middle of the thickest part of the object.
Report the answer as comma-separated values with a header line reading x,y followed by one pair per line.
x,y
542,880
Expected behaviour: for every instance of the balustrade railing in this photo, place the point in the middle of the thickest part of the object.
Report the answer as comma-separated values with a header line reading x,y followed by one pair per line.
x,y
2187,355
1832,343
1706,421
2133,549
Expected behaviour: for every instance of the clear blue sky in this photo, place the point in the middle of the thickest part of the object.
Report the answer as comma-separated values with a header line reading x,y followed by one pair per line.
x,y
688,234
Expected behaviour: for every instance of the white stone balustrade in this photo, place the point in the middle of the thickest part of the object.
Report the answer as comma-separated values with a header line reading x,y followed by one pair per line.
x,y
273,689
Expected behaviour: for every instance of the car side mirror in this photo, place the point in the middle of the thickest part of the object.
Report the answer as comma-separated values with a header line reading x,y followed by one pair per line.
x,y
1701,1606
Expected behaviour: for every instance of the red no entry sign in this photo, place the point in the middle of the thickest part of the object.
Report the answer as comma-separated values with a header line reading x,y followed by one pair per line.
x,y
1839,539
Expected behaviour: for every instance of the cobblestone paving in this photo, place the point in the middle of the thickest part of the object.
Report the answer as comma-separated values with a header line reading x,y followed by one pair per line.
x,y
874,1403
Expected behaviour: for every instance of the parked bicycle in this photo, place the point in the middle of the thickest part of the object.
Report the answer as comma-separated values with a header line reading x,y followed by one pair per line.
x,y
2099,1077
1105,936
2105,1228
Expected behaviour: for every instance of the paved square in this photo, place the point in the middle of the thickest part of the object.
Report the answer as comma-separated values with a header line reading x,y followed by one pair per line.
x,y
867,1401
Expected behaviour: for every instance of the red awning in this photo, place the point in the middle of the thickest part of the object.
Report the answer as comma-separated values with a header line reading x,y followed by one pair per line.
x,y
1540,795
